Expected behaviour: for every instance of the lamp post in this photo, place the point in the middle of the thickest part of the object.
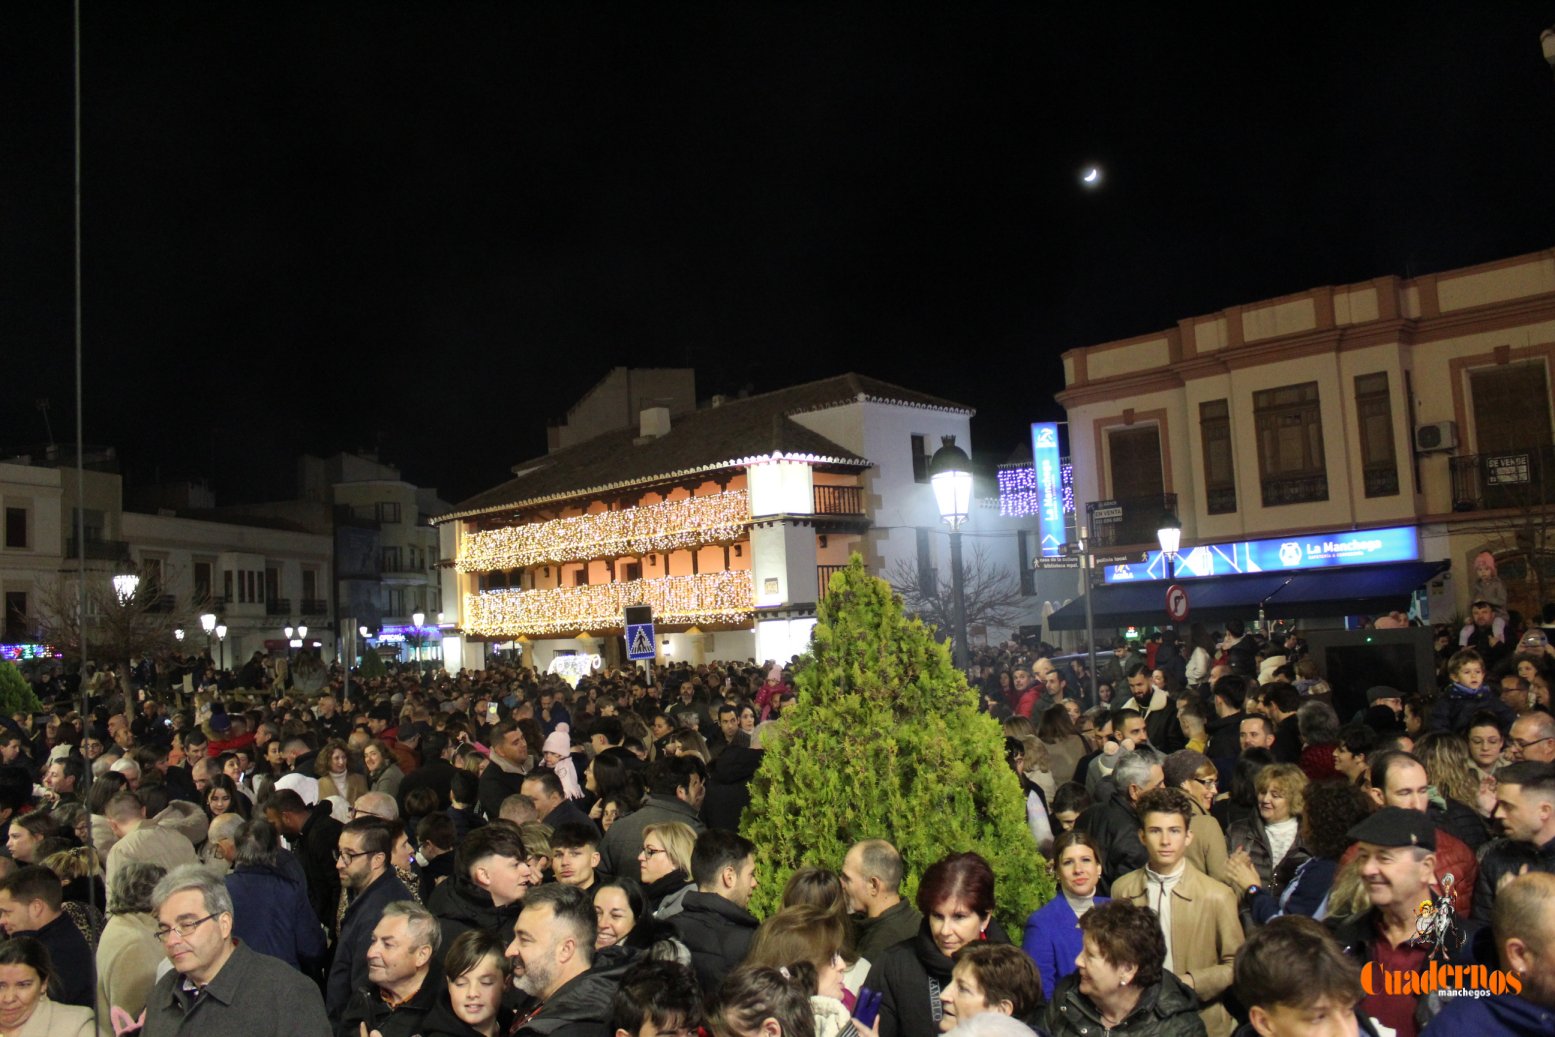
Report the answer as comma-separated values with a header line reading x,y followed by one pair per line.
x,y
1169,534
302,634
221,641
124,587
950,473
288,631
208,624
416,619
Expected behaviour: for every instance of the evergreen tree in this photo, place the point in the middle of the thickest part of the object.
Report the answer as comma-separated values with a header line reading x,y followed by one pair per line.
x,y
372,666
16,695
886,741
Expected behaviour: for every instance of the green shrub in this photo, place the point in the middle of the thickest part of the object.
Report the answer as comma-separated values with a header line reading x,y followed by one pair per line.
x,y
372,665
16,695
886,741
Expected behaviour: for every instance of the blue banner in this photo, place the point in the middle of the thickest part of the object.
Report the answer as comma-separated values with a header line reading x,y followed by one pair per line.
x,y
1048,467
1363,547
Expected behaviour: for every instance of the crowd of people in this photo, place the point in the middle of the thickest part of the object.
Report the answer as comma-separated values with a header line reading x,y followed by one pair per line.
x,y
497,852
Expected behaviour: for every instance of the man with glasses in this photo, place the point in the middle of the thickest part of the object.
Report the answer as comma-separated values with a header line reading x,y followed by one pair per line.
x,y
218,985
1195,774
1533,738
364,862
1113,822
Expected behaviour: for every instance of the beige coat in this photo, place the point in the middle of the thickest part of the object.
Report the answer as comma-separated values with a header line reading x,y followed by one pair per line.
x,y
127,958
1206,934
52,1019
355,786
1208,852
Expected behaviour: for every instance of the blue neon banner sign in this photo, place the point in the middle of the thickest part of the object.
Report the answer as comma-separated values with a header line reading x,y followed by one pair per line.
x,y
1048,466
1358,547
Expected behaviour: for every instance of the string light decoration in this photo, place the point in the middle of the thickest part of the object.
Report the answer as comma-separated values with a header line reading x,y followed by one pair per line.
x,y
1018,496
703,598
666,526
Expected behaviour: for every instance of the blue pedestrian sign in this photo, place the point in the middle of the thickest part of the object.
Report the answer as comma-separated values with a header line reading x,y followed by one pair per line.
x,y
639,641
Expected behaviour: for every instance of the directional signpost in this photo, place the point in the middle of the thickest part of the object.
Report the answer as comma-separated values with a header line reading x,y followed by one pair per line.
x,y
639,633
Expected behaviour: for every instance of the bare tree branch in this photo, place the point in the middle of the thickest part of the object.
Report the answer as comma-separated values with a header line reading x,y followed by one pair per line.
x,y
993,597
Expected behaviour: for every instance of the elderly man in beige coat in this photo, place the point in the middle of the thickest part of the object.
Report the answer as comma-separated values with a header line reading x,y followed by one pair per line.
x,y
1198,914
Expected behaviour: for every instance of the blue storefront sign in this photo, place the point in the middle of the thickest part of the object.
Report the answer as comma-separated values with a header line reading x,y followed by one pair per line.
x,y
1050,491
1363,547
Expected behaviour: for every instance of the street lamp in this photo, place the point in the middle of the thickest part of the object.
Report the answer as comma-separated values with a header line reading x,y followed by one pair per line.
x,y
288,631
178,634
124,586
416,619
1169,534
950,474
221,639
208,624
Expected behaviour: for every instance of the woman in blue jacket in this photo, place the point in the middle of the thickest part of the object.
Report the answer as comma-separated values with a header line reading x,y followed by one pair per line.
x,y
1053,930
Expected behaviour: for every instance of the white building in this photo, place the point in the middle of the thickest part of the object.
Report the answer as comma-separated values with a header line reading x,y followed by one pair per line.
x,y
727,519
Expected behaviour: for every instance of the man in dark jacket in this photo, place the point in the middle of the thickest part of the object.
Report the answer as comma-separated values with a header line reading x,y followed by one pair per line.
x,y
728,784
314,835
30,901
218,985
403,979
553,952
1225,731
491,875
1242,653
1524,930
1525,806
713,922
435,772
511,759
1113,823
872,883
675,788
366,869
545,788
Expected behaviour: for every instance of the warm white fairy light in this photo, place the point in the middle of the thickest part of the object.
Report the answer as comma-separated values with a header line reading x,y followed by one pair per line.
x,y
666,526
719,597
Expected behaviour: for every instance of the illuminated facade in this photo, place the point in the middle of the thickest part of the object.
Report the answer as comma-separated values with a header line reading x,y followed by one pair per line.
x,y
728,520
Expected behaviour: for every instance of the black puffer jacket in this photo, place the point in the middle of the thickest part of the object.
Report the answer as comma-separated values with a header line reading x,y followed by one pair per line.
x,y
581,1008
1165,1009
1252,835
718,933
461,905
909,977
405,1020
728,787
441,1021
1115,827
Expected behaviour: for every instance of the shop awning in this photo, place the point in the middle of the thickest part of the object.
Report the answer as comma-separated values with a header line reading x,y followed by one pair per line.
x,y
1337,591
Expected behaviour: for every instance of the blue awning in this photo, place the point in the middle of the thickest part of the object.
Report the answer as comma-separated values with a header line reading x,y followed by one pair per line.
x,y
1303,594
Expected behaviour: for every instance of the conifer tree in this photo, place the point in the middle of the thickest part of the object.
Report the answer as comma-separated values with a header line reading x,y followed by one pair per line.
x,y
16,695
886,741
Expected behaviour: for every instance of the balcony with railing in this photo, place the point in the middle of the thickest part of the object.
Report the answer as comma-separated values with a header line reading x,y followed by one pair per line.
x,y
1129,521
99,550
839,500
315,607
278,606
1522,478
823,575
701,599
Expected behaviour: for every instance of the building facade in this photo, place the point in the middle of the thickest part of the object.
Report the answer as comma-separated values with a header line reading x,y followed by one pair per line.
x,y
1422,403
727,521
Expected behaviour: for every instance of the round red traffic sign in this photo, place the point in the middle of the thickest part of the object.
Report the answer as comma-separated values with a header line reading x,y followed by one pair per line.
x,y
1176,603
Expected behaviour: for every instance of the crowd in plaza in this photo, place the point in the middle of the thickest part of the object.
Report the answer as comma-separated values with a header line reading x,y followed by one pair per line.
x,y
499,852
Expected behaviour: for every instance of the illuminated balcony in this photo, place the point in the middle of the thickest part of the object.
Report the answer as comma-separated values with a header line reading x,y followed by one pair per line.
x,y
704,598
666,526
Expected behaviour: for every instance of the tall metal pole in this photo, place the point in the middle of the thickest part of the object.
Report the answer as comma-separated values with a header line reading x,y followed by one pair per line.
x,y
1090,620
963,654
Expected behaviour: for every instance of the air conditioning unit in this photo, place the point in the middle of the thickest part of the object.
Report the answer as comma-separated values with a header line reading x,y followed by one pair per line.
x,y
1436,437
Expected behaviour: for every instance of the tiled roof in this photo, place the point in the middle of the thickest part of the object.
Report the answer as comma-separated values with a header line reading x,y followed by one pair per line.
x,y
735,433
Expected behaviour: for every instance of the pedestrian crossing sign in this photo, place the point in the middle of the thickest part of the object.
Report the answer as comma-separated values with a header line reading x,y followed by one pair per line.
x,y
639,641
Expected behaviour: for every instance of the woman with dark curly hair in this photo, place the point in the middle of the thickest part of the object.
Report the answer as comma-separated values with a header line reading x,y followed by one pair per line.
x,y
1329,810
336,778
1120,982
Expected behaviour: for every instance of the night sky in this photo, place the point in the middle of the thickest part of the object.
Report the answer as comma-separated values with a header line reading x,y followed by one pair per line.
x,y
428,228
